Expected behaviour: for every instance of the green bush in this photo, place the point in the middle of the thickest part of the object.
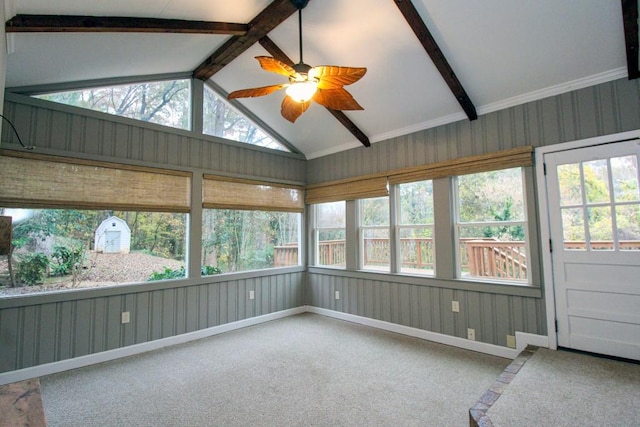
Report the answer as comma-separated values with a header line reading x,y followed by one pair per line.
x,y
209,270
168,273
64,260
33,268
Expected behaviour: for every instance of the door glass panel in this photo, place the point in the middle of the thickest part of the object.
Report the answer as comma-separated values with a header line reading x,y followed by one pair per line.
x,y
573,229
596,181
600,228
569,182
628,225
624,171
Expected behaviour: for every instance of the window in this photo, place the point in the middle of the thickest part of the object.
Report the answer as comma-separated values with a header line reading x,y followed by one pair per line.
x,y
415,227
600,204
242,240
375,246
491,225
475,204
62,249
79,223
249,225
220,119
165,103
330,234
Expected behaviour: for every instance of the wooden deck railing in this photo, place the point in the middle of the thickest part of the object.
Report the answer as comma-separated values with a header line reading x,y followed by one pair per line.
x,y
500,260
286,255
480,257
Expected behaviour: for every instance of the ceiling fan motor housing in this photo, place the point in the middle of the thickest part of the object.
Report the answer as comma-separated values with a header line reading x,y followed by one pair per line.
x,y
302,68
300,4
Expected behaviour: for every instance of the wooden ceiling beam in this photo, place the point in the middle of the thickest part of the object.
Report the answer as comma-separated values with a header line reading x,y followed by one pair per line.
x,y
277,53
420,29
104,24
272,16
630,21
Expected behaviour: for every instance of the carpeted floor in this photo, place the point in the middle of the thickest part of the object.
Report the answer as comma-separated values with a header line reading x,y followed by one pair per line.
x,y
301,370
561,388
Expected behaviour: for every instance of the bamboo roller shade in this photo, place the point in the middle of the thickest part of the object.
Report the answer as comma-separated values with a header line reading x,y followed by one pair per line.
x,y
230,193
350,189
375,185
516,157
40,181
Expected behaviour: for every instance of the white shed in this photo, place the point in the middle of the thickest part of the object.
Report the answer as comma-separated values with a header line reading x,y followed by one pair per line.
x,y
113,236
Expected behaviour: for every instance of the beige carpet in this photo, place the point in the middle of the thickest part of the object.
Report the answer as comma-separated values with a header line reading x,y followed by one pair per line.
x,y
560,388
298,371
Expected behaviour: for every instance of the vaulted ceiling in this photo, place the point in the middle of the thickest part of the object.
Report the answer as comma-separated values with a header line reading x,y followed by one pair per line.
x,y
429,62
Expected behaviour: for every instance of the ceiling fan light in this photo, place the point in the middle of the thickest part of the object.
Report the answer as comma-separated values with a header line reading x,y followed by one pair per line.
x,y
302,91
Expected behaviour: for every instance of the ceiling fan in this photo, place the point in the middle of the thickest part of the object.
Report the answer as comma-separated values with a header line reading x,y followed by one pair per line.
x,y
322,84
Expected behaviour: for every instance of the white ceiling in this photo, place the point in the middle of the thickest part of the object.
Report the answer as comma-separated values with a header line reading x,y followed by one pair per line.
x,y
504,53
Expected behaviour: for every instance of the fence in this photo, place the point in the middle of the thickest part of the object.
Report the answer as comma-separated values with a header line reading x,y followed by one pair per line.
x,y
487,258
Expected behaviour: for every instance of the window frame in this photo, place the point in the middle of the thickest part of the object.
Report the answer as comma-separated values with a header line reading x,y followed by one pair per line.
x,y
279,144
300,243
398,226
457,225
446,249
363,228
42,95
317,229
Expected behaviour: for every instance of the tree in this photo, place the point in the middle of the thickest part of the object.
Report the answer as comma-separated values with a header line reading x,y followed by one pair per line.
x,y
166,103
26,232
222,120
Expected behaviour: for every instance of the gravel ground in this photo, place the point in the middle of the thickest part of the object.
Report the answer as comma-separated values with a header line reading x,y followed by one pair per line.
x,y
103,270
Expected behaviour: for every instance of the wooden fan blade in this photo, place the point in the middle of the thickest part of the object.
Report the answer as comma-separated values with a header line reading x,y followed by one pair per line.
x,y
336,99
291,109
274,66
332,77
256,91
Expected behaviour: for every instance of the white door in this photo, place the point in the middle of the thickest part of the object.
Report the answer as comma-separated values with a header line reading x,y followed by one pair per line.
x,y
112,242
594,223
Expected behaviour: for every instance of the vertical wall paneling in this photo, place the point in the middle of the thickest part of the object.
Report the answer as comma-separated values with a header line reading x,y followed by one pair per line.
x,y
73,131
47,332
607,108
29,335
142,317
9,332
81,342
492,315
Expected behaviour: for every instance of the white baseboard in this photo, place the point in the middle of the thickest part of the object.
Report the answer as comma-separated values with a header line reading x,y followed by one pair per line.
x,y
495,350
522,340
105,356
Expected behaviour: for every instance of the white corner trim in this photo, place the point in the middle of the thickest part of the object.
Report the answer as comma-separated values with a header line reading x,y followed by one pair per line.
x,y
495,350
523,339
106,356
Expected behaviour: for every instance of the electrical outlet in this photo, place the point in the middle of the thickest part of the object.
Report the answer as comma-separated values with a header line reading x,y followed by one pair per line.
x,y
337,294
455,306
511,341
252,294
126,317
471,334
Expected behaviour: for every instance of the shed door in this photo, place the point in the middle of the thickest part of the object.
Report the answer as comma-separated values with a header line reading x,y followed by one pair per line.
x,y
112,242
594,218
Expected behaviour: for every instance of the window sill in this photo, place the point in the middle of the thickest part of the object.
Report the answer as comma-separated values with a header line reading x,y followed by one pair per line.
x,y
131,288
